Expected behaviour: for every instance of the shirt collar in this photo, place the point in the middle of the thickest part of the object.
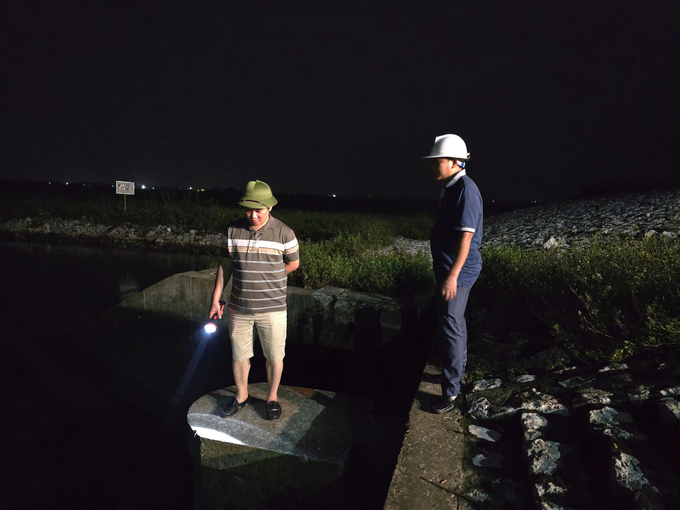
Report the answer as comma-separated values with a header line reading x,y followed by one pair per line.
x,y
263,227
453,181
456,176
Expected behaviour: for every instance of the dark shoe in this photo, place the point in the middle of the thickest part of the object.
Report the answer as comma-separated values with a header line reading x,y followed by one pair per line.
x,y
273,410
233,406
445,404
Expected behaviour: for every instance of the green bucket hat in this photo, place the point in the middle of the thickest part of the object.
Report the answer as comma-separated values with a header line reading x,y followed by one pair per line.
x,y
257,195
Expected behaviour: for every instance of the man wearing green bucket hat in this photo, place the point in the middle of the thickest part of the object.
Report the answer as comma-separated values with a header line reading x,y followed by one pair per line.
x,y
258,252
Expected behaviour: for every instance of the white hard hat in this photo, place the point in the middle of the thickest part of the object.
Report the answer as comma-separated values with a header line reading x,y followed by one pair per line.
x,y
449,146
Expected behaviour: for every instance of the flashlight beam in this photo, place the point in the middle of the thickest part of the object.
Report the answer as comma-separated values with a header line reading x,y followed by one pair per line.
x,y
189,373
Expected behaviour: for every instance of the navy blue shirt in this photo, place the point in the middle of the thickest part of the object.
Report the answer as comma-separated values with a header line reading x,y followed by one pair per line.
x,y
460,210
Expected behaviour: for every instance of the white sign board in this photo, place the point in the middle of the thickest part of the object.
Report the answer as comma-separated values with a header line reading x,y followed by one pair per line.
x,y
125,188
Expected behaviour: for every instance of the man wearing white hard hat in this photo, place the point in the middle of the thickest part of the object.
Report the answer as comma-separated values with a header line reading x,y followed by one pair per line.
x,y
455,241
258,252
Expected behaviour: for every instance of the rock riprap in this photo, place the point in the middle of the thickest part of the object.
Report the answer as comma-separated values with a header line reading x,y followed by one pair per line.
x,y
591,438
578,437
566,224
159,236
547,226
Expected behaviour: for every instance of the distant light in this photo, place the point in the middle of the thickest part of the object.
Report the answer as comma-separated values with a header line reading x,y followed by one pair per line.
x,y
210,328
190,187
67,183
333,196
48,182
143,187
153,187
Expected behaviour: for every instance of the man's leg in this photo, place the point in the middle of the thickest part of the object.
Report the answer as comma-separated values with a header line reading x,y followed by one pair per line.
x,y
241,371
271,328
453,333
274,371
241,334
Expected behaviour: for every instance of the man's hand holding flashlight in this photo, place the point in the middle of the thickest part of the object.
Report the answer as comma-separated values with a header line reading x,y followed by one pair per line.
x,y
216,310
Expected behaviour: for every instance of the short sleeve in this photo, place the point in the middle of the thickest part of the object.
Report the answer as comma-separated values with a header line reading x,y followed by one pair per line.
x,y
291,249
470,207
224,247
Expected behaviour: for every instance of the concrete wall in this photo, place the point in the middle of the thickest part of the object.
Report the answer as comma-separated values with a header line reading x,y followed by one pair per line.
x,y
329,317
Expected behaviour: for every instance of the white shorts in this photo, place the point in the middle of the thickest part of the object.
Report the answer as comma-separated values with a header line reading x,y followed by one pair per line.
x,y
271,328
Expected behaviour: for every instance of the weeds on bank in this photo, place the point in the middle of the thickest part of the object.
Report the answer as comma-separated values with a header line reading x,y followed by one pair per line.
x,y
338,249
345,261
600,302
192,212
165,210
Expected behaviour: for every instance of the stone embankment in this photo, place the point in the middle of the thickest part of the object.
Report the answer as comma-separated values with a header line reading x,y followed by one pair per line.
x,y
592,438
574,223
579,437
84,230
555,225
566,224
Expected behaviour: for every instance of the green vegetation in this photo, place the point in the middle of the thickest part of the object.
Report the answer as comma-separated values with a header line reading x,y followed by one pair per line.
x,y
346,261
190,210
163,209
600,302
338,249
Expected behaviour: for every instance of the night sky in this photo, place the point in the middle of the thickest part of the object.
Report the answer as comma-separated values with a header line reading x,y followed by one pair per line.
x,y
552,98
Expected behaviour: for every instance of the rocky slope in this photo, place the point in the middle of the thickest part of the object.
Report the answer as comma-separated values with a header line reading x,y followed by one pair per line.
x,y
566,224
88,232
578,437
573,223
555,225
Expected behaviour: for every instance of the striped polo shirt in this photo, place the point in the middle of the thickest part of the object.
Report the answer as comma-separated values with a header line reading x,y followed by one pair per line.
x,y
258,259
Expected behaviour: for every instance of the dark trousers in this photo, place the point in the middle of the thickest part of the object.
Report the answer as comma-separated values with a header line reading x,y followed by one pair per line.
x,y
452,332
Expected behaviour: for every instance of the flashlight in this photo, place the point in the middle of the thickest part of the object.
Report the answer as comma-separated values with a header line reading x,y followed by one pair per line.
x,y
211,326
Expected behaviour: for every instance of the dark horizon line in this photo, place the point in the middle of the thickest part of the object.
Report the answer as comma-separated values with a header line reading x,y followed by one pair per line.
x,y
231,189
588,192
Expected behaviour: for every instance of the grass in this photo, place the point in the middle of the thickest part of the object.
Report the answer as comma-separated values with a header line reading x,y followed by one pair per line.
x,y
164,210
190,210
600,302
337,248
345,261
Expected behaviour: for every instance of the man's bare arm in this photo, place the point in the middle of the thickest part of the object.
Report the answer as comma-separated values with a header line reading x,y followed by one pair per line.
x,y
221,280
462,248
292,266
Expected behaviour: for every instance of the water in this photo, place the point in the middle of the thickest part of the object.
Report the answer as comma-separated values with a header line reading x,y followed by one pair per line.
x,y
94,411
86,403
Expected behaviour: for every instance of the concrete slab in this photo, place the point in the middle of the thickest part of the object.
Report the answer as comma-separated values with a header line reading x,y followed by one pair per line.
x,y
248,461
183,295
430,470
328,317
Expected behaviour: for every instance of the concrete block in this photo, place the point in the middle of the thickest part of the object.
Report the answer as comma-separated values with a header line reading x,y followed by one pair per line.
x,y
183,295
248,461
305,317
327,317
